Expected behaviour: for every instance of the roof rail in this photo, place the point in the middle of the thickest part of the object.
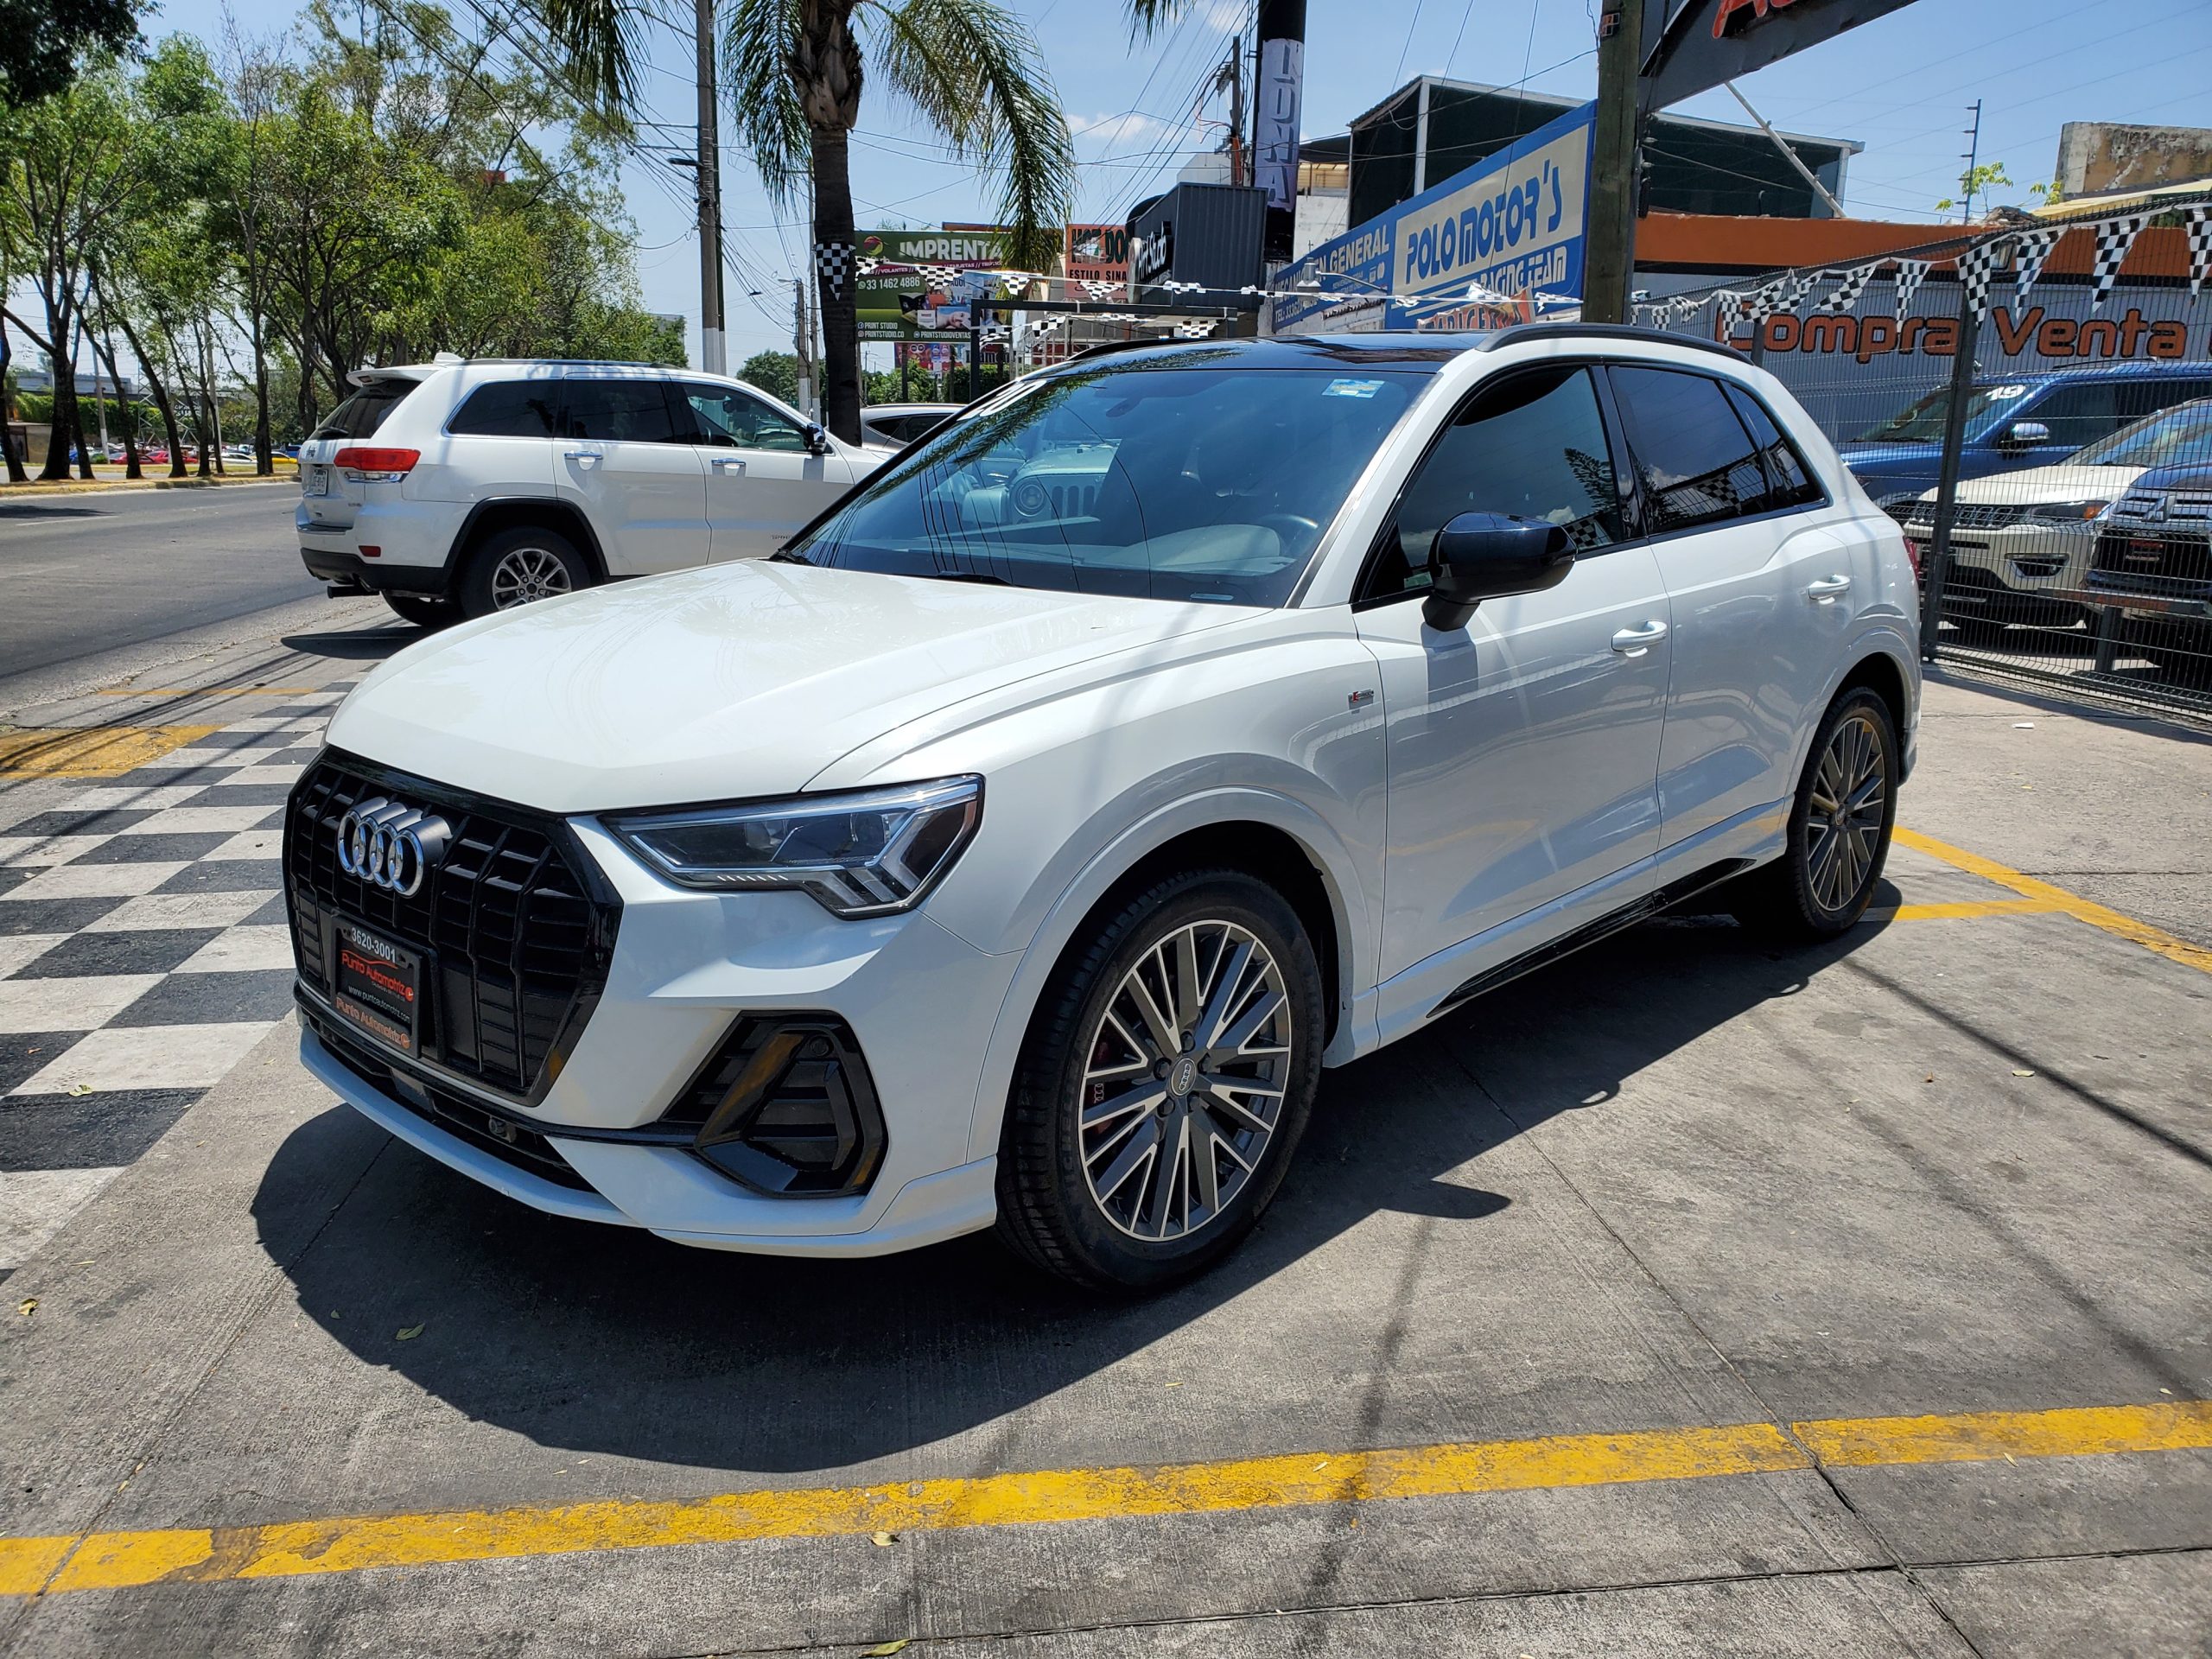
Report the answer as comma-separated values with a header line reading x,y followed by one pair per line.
x,y
1515,333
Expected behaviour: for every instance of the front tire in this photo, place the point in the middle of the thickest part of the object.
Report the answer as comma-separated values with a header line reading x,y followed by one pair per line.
x,y
1840,827
1164,1083
519,566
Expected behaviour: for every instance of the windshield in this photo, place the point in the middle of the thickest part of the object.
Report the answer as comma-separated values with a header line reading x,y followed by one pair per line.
x,y
1198,481
1923,422
2165,439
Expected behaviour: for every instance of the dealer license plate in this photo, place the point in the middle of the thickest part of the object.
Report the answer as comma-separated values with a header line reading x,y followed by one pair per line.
x,y
380,986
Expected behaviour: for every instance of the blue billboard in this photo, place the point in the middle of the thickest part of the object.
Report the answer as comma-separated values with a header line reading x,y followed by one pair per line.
x,y
1513,223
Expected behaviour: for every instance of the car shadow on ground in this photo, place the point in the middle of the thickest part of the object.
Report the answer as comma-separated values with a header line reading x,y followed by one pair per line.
x,y
47,509
356,644
611,1341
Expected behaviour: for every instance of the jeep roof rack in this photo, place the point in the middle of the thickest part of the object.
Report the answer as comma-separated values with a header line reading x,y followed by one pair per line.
x,y
1513,333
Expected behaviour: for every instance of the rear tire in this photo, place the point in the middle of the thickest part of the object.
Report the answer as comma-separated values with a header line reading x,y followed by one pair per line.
x,y
519,566
422,612
1839,827
1108,1175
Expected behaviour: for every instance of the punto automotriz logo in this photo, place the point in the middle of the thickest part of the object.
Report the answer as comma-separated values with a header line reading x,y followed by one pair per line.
x,y
391,845
1729,12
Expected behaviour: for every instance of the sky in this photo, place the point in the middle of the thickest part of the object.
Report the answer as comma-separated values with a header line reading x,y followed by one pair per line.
x,y
1900,85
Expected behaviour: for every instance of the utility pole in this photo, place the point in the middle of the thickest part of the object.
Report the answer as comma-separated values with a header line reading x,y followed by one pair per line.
x,y
1973,159
1609,272
1237,109
713,353
803,347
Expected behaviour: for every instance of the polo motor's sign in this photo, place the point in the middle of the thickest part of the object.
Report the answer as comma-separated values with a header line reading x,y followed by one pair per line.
x,y
1516,229
1513,223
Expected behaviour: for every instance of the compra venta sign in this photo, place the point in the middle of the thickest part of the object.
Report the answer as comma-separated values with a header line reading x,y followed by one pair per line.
x,y
2029,332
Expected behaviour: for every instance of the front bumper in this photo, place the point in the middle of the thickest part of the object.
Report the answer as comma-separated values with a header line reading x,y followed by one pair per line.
x,y
923,1007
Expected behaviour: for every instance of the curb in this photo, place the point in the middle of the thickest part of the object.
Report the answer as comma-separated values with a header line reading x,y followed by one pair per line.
x,y
107,486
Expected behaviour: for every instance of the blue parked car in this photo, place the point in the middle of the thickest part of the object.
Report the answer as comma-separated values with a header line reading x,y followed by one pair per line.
x,y
2026,420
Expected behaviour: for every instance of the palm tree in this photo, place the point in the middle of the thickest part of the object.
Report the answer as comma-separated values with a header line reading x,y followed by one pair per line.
x,y
969,68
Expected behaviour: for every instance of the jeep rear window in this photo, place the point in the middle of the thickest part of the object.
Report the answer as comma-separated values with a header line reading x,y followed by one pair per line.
x,y
359,415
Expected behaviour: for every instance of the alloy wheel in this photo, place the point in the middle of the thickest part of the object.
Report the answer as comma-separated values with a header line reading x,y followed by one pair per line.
x,y
1183,1083
1843,824
525,574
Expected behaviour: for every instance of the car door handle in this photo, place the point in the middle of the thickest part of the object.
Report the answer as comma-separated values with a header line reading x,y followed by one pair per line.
x,y
726,463
1634,642
584,457
1827,589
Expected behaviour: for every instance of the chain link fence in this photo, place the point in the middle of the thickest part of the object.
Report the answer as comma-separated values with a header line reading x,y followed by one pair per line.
x,y
2033,404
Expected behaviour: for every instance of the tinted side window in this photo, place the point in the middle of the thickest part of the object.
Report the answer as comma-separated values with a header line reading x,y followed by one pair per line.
x,y
2076,415
1533,446
629,411
1695,459
2149,394
359,415
731,418
508,409
1788,480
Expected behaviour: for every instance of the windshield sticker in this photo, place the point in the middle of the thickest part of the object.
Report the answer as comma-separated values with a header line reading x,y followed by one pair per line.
x,y
2004,394
1352,388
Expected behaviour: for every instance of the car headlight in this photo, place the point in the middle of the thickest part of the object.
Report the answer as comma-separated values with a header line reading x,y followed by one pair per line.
x,y
869,852
2067,511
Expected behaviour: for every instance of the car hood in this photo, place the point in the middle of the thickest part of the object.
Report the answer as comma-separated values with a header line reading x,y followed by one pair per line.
x,y
2040,483
737,681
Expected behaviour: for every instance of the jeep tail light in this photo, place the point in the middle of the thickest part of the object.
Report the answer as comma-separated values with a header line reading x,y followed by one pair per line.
x,y
368,463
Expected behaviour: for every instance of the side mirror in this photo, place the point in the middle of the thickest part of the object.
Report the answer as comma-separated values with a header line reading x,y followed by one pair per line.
x,y
2024,434
1481,556
817,439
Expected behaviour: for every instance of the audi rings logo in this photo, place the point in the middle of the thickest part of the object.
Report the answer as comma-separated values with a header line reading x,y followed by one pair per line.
x,y
391,845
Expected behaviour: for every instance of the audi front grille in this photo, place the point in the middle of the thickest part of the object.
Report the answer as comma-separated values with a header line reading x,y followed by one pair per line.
x,y
515,927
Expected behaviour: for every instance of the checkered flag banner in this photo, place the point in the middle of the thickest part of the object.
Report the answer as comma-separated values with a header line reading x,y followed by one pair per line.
x,y
1761,304
992,332
1182,287
1846,298
1911,273
2199,249
1014,283
1096,289
2032,250
1976,266
2114,238
1194,330
1794,294
866,265
1051,325
939,276
833,263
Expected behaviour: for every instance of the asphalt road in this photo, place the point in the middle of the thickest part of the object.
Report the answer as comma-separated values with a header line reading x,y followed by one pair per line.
x,y
90,574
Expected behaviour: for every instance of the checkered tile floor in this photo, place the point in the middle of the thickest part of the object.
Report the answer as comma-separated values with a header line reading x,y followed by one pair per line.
x,y
143,951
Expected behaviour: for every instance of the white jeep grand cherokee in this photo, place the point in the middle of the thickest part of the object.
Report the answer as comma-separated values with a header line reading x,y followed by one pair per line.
x,y
462,487
1018,844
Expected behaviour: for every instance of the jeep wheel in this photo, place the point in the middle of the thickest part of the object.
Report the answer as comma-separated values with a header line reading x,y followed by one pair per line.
x,y
517,567
1164,1084
1840,829
422,611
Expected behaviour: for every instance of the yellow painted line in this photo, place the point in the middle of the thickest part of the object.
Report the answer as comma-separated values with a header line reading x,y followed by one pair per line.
x,y
212,691
117,1560
2060,901
91,751
1963,912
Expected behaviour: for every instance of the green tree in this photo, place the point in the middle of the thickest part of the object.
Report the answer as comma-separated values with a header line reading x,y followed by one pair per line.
x,y
774,372
44,43
968,68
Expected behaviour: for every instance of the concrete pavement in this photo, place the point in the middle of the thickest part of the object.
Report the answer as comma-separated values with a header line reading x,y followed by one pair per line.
x,y
1957,1164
